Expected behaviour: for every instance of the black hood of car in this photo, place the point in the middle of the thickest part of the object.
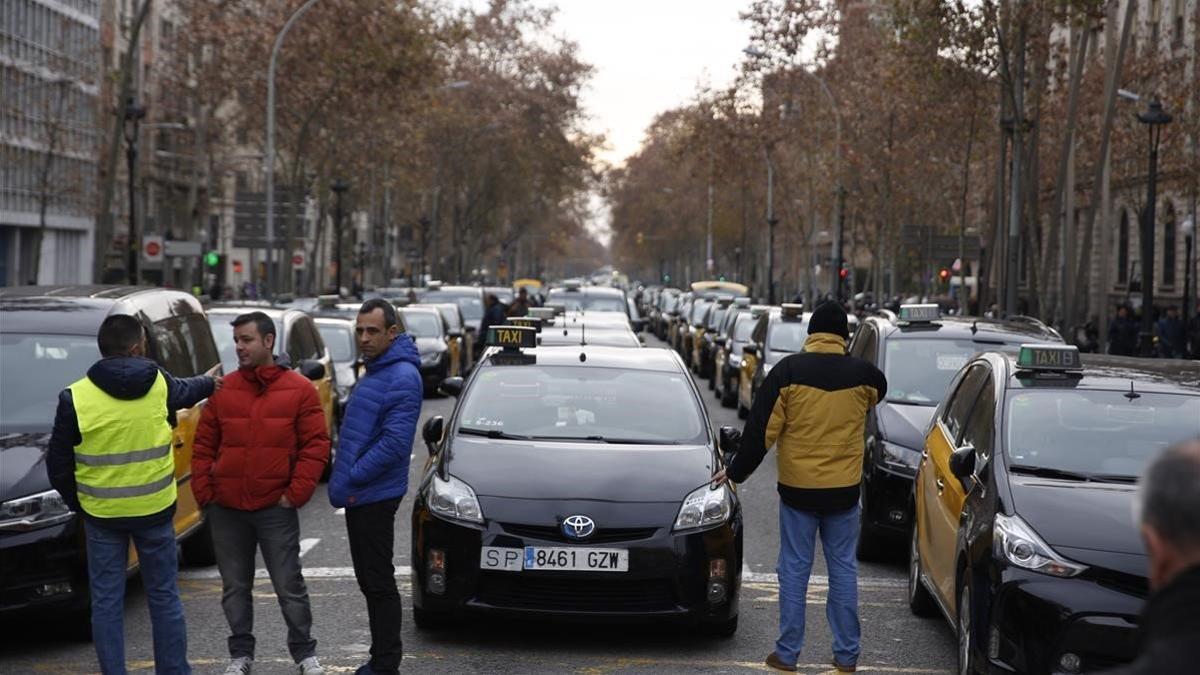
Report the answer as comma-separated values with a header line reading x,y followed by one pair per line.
x,y
1092,523
23,464
579,471
903,424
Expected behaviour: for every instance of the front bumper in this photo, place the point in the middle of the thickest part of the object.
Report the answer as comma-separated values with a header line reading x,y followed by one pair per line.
x,y
668,577
44,568
888,499
1037,619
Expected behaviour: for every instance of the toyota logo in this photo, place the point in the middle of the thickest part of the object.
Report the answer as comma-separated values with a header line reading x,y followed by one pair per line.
x,y
578,527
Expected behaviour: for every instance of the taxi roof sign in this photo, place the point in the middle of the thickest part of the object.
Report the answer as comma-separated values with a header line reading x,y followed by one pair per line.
x,y
1049,357
741,301
920,313
791,310
511,337
527,322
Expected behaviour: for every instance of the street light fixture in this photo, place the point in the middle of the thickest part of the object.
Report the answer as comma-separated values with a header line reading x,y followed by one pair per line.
x,y
339,188
134,114
1155,118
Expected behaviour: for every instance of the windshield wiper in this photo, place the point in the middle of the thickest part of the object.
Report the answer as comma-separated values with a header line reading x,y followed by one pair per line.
x,y
492,433
605,439
1063,474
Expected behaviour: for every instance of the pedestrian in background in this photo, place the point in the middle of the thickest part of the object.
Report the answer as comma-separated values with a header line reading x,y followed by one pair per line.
x,y
1172,335
1169,629
261,447
370,476
520,306
812,407
1122,333
493,315
110,458
1193,333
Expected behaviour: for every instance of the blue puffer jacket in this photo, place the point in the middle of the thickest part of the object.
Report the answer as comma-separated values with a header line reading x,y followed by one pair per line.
x,y
377,433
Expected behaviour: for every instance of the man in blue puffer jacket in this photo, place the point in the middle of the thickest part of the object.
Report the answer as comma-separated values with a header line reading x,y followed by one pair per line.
x,y
370,472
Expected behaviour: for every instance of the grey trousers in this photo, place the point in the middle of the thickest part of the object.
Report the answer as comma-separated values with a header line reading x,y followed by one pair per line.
x,y
276,531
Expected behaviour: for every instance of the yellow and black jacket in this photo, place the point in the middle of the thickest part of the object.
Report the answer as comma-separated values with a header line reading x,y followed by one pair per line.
x,y
812,406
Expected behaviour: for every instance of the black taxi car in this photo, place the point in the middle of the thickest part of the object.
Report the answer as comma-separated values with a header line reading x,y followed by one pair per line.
x,y
1025,536
47,341
727,363
527,506
778,332
431,333
919,351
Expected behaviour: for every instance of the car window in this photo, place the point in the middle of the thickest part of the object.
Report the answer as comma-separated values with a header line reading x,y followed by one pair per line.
x,y
714,318
744,326
423,324
315,336
339,340
171,349
787,336
760,329
202,346
300,345
33,369
981,426
865,344
222,334
959,407
918,370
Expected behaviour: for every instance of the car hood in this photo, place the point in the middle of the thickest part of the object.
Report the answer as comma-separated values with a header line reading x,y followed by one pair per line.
x,y
904,424
23,464
430,345
554,470
1089,522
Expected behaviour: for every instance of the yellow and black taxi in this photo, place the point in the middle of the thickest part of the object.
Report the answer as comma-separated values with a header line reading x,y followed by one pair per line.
x,y
431,334
664,311
778,332
727,363
338,335
527,506
47,341
919,352
459,340
469,300
691,325
1026,536
682,317
704,337
298,344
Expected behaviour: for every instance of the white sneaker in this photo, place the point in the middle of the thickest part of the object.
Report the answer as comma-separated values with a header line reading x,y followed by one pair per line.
x,y
240,666
311,666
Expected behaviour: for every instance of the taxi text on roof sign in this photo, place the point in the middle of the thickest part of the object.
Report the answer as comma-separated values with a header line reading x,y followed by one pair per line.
x,y
527,322
511,337
1049,357
919,313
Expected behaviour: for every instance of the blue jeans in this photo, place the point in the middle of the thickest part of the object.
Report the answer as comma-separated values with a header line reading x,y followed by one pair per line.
x,y
108,557
798,537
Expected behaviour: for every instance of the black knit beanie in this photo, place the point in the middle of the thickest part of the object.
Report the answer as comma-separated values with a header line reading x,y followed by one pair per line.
x,y
829,317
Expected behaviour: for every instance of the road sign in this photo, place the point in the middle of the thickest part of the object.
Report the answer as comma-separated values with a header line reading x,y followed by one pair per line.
x,y
298,258
152,248
182,249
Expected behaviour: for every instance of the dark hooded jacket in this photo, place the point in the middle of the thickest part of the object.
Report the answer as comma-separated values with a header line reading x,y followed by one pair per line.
x,y
126,378
375,443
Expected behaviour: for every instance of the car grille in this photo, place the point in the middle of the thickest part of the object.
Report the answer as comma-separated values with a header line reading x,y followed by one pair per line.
x,y
594,594
600,536
1129,584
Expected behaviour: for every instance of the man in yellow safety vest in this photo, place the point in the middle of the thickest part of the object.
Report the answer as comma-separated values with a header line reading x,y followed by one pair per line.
x,y
110,457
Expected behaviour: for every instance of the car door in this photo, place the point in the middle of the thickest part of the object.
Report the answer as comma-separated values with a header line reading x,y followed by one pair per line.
x,y
317,351
941,494
750,362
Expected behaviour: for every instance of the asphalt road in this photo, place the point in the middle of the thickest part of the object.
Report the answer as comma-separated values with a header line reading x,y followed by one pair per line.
x,y
894,641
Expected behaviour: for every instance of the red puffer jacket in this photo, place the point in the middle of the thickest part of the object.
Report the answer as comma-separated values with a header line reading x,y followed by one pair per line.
x,y
261,436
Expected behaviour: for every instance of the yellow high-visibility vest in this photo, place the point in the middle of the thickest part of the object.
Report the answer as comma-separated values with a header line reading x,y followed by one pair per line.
x,y
124,467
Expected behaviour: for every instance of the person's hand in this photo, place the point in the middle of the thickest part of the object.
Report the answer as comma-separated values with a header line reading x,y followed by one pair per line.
x,y
719,479
283,501
218,382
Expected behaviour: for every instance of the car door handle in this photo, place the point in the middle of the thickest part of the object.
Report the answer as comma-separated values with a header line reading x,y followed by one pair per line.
x,y
941,486
178,443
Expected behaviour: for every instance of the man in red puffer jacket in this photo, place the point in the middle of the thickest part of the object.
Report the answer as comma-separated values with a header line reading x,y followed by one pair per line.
x,y
260,450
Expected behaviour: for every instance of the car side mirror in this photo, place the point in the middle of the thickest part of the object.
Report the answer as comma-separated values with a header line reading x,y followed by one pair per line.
x,y
312,369
451,386
729,441
962,462
750,350
432,433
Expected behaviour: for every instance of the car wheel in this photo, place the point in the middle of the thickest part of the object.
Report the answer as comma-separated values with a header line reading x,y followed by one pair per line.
x,y
712,381
430,621
728,397
725,628
966,628
919,600
742,411
198,549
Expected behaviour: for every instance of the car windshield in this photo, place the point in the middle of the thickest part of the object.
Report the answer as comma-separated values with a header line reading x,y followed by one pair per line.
x,y
1102,434
588,303
572,402
714,319
698,310
919,370
743,328
340,341
787,336
450,316
422,324
33,369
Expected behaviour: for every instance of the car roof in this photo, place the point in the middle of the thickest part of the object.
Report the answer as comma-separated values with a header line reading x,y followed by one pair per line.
x,y
598,356
80,309
455,289
334,321
1104,372
978,328
421,309
276,313
589,290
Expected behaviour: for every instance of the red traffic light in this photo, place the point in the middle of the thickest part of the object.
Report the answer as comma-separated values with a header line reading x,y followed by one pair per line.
x,y
843,273
944,274
237,266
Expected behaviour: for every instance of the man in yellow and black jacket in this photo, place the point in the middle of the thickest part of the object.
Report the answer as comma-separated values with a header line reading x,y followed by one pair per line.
x,y
812,407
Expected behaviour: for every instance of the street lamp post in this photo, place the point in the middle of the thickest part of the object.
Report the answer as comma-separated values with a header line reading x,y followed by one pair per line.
x,y
1188,227
362,268
134,114
771,222
339,188
1155,119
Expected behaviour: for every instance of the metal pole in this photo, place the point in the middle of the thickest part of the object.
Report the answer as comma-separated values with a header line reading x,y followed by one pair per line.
x,y
708,255
338,189
269,155
1013,273
837,243
1187,289
771,221
1146,337
135,236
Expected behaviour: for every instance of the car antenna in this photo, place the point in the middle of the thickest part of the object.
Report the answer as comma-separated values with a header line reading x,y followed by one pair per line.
x,y
1132,395
583,335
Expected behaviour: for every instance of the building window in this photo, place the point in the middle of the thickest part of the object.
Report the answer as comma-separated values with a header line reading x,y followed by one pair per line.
x,y
1169,234
1123,249
1179,23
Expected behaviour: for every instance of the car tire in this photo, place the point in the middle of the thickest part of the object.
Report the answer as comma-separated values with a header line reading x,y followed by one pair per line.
x,y
742,411
725,628
919,600
712,382
966,628
198,549
728,396
426,620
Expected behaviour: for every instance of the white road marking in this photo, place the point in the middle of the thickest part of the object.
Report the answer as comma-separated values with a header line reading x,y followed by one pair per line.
x,y
816,580
307,545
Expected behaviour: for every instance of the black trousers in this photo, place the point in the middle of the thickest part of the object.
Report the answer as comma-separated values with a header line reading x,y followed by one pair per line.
x,y
371,531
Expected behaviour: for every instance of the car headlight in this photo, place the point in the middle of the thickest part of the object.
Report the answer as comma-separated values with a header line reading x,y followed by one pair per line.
x,y
900,458
703,507
454,499
1015,541
35,511
734,361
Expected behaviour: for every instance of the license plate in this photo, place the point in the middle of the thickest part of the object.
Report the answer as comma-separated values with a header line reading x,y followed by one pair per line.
x,y
576,559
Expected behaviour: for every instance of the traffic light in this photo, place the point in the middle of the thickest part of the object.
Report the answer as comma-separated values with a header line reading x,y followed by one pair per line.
x,y
237,266
666,278
843,273
212,259
944,274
